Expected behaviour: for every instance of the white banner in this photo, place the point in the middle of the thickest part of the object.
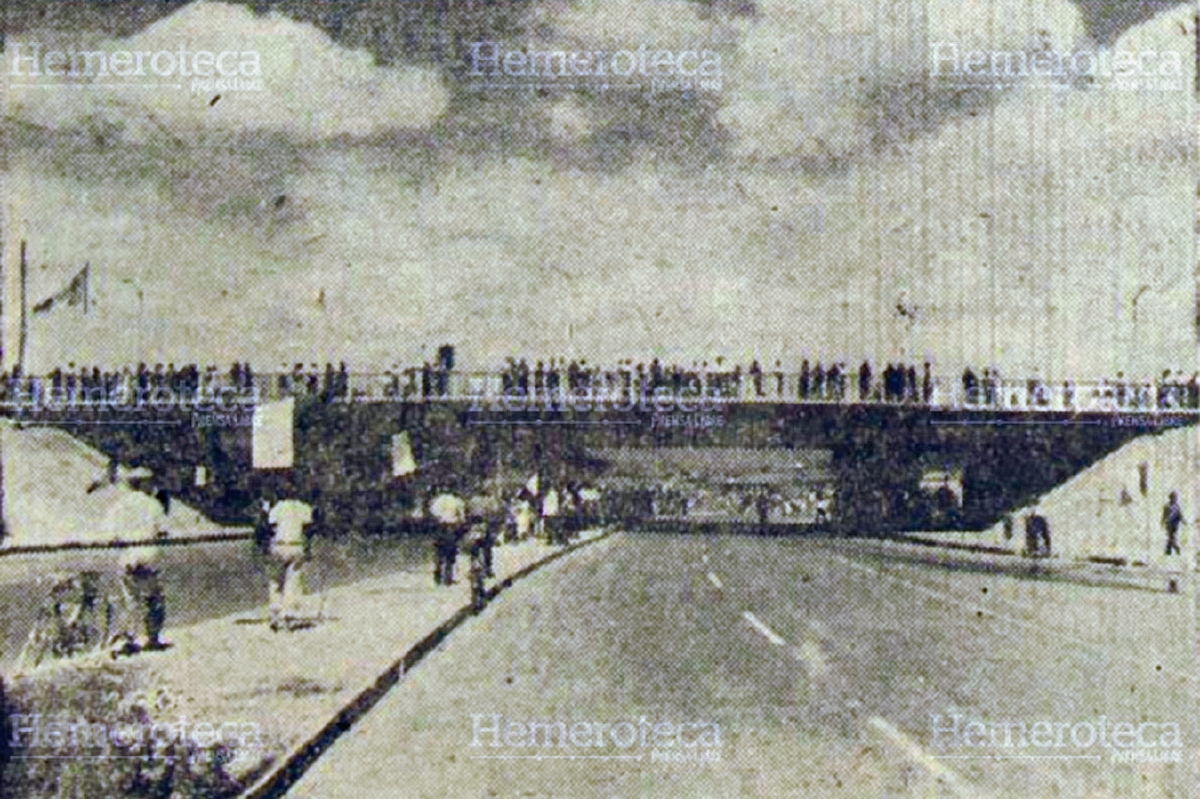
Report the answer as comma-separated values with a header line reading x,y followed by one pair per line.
x,y
272,439
403,461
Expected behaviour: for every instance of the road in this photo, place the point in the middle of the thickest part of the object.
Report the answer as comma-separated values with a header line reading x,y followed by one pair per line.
x,y
786,667
201,581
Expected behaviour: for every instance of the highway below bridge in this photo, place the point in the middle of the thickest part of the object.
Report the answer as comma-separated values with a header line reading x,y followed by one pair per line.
x,y
724,666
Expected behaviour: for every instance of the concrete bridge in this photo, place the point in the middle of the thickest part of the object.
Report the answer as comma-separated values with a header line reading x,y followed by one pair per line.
x,y
1004,447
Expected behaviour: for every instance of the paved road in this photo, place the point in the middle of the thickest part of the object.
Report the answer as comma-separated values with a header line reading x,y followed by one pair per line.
x,y
821,662
202,581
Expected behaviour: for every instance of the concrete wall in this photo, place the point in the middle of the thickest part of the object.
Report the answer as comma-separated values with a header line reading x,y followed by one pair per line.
x,y
1104,511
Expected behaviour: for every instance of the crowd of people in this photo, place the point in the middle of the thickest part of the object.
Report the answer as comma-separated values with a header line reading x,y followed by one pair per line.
x,y
559,379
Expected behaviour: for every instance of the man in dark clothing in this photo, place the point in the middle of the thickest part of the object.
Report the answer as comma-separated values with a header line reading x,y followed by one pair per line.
x,y
818,382
479,551
449,514
1172,519
263,532
1037,536
969,382
864,381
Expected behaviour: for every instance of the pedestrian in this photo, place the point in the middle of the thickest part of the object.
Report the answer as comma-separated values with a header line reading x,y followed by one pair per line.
x,y
480,554
1172,519
550,516
763,506
449,512
289,552
822,507
138,517
1037,536
263,532
523,515
485,515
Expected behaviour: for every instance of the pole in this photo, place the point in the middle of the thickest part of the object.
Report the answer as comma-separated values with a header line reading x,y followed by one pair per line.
x,y
23,347
3,503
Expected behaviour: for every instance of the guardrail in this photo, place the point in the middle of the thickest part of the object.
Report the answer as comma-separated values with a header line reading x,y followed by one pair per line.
x,y
619,390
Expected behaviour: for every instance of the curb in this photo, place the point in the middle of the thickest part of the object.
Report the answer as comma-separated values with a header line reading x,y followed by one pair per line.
x,y
1136,576
933,542
279,779
206,538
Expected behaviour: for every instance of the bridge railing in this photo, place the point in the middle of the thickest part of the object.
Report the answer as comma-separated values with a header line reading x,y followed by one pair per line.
x,y
500,391
614,390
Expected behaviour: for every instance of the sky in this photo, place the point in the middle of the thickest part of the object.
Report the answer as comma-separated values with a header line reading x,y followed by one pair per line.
x,y
829,199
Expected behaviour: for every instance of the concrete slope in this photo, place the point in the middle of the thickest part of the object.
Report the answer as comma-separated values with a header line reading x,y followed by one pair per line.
x,y
1111,510
47,474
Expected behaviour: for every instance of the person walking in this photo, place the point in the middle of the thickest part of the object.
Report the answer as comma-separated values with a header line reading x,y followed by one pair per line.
x,y
822,507
485,518
550,521
1037,536
523,515
263,532
450,514
479,551
139,517
288,553
1172,520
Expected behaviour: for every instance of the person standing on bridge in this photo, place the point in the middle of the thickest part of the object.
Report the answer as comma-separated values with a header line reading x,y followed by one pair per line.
x,y
969,383
864,382
1172,520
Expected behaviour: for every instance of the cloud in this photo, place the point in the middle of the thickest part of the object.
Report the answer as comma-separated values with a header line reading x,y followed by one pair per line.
x,y
821,80
627,24
305,86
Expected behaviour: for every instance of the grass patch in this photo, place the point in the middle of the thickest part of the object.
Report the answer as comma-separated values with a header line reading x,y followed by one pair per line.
x,y
112,729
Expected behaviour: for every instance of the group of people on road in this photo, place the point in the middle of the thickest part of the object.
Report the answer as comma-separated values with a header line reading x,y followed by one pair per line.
x,y
1037,530
481,522
96,610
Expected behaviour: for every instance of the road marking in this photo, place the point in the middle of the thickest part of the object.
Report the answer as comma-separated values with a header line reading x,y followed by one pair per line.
x,y
704,558
1042,629
715,580
770,634
918,755
1022,757
556,757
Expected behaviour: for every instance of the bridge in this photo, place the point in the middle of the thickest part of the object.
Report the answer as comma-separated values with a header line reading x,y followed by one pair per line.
x,y
1004,442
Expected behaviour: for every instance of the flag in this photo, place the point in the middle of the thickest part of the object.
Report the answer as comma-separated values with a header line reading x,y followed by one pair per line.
x,y
75,293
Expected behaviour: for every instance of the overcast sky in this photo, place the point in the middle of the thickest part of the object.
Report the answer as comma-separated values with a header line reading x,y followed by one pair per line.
x,y
831,198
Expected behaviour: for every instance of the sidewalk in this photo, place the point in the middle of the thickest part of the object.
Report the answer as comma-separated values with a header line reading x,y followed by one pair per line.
x,y
304,687
980,549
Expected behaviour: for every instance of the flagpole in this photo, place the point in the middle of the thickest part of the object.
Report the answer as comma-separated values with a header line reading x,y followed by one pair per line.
x,y
24,340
